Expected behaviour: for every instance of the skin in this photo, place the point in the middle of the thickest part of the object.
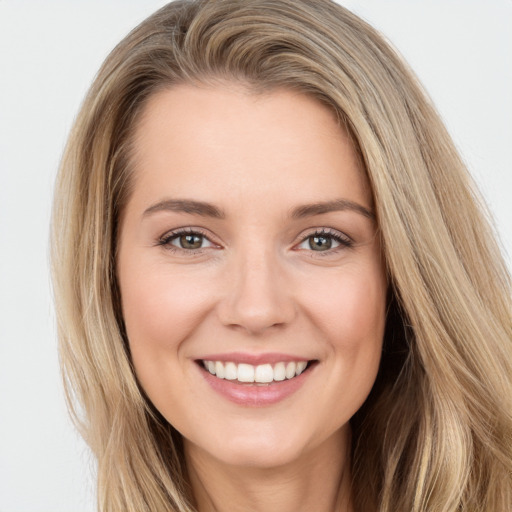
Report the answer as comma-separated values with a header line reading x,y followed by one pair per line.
x,y
257,283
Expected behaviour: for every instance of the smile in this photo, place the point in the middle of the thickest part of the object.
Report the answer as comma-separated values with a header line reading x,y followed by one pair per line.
x,y
260,374
269,380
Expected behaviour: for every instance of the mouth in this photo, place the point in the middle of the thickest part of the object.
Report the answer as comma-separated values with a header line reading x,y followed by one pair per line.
x,y
260,375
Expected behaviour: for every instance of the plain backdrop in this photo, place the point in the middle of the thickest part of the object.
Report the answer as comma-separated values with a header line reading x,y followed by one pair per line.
x,y
49,53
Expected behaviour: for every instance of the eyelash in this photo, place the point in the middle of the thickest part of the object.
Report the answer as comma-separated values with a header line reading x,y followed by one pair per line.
x,y
165,241
344,241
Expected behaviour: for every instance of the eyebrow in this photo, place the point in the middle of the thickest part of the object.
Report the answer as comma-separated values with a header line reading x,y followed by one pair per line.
x,y
209,210
186,206
308,210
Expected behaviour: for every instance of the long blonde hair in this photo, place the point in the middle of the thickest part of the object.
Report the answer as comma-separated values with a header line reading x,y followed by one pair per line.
x,y
436,432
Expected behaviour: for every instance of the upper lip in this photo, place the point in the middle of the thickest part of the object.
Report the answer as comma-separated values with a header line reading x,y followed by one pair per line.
x,y
253,359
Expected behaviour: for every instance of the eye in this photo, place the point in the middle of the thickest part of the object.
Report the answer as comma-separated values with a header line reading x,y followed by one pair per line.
x,y
189,241
185,240
325,240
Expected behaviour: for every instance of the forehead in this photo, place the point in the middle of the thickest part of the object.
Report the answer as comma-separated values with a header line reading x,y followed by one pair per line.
x,y
227,142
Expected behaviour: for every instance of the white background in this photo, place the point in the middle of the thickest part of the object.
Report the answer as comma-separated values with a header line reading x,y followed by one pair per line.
x,y
49,53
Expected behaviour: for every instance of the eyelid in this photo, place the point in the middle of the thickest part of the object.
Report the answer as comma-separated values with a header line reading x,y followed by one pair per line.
x,y
344,241
341,238
168,236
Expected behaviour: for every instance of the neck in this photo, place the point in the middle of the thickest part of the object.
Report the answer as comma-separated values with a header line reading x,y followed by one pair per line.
x,y
318,480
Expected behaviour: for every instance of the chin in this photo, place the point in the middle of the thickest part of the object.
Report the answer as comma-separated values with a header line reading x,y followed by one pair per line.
x,y
257,448
257,456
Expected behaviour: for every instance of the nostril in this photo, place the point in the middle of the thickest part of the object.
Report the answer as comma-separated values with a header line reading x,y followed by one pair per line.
x,y
256,302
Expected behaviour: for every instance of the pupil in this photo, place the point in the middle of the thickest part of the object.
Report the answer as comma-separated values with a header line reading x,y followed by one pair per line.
x,y
321,243
191,241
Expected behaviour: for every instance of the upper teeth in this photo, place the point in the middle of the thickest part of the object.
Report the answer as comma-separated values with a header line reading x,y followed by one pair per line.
x,y
262,373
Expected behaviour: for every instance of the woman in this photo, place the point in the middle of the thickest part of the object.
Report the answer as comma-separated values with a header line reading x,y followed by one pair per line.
x,y
276,288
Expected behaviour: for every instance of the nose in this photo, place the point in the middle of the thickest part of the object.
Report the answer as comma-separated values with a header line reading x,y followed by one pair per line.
x,y
257,294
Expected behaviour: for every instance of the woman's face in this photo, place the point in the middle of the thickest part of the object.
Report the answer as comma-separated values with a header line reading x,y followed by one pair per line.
x,y
247,250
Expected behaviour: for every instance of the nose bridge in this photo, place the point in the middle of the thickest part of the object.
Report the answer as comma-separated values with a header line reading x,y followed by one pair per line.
x,y
257,296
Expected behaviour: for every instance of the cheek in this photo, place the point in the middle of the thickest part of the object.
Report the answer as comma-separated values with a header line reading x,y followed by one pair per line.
x,y
351,318
161,308
363,311
351,308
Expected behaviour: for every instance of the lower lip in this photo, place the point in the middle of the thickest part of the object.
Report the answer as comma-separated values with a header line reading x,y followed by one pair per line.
x,y
254,395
